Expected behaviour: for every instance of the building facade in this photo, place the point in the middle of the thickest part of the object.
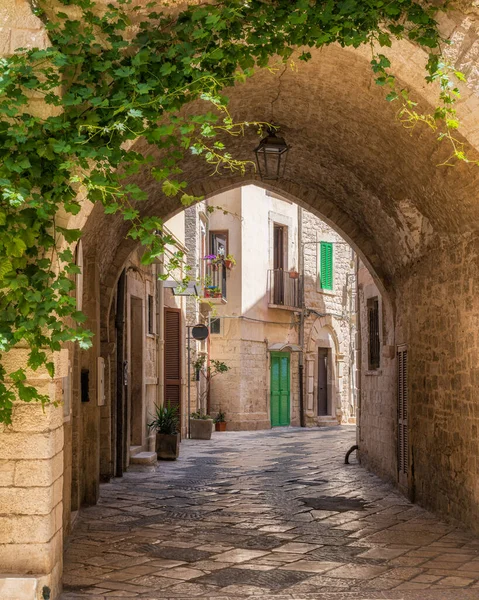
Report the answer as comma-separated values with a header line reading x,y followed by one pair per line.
x,y
284,317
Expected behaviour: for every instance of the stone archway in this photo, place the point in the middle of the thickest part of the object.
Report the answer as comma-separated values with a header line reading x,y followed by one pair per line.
x,y
323,336
413,224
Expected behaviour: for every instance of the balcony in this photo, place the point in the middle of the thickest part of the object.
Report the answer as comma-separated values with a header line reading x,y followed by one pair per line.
x,y
214,288
283,289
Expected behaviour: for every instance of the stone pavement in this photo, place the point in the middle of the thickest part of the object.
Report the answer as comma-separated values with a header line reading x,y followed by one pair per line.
x,y
270,514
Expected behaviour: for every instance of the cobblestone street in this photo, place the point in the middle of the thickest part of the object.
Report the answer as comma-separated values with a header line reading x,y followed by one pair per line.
x,y
271,513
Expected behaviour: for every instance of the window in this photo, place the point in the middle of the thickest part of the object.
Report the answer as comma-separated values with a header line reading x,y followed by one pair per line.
x,y
280,237
326,266
151,315
215,326
279,247
219,243
373,327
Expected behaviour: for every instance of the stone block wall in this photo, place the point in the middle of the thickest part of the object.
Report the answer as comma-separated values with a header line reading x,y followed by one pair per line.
x,y
378,403
31,492
244,391
438,316
331,320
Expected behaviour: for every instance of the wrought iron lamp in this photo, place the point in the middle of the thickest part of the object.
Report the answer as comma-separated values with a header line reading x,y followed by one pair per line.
x,y
271,155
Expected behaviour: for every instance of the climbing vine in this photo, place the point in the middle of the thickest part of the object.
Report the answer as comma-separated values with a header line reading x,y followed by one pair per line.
x,y
114,73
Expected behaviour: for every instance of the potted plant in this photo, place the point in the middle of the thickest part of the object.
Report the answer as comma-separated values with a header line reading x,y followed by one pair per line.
x,y
201,426
216,292
166,423
207,371
220,421
230,261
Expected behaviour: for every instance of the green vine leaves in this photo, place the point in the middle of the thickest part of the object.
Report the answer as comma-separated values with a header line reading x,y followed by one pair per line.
x,y
115,73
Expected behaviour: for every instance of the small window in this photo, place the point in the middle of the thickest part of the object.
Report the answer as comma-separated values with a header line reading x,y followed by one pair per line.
x,y
326,266
219,243
373,327
215,326
151,315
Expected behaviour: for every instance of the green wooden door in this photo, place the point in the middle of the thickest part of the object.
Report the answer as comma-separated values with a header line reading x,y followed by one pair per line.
x,y
280,389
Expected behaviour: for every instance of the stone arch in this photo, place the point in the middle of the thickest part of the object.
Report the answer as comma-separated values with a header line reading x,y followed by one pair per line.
x,y
323,334
413,224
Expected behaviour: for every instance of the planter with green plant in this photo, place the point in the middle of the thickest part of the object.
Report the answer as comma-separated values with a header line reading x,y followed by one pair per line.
x,y
201,426
220,421
166,423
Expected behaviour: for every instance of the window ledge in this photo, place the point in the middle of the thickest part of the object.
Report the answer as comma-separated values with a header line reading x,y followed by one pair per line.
x,y
326,292
204,300
373,373
285,307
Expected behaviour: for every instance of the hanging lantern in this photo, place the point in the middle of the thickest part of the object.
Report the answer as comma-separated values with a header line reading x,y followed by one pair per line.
x,y
271,155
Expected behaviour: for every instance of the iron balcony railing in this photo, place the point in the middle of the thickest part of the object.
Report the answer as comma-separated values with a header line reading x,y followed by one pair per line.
x,y
215,280
284,288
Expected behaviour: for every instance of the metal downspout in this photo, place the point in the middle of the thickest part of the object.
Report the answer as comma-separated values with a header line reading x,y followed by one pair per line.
x,y
301,319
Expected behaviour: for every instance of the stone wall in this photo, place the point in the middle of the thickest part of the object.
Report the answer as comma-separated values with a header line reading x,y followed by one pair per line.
x,y
31,491
377,433
438,317
330,321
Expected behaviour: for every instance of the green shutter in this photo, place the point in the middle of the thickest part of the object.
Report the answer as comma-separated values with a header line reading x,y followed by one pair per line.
x,y
326,266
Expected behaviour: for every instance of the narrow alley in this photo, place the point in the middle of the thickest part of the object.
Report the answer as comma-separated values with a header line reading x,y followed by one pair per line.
x,y
265,514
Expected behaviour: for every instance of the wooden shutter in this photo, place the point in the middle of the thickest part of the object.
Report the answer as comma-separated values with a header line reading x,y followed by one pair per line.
x,y
278,247
403,449
374,342
326,266
172,353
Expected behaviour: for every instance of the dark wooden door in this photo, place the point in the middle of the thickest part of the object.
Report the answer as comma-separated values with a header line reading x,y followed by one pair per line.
x,y
278,264
323,382
172,353
403,442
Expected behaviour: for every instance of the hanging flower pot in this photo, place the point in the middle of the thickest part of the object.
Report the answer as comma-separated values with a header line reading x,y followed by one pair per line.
x,y
293,274
229,261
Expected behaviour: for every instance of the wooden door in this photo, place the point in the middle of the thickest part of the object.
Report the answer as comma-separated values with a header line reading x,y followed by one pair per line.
x,y
403,434
137,401
280,389
278,264
323,408
172,355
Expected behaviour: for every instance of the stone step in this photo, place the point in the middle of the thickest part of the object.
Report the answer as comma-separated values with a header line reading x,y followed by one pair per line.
x,y
327,421
134,450
144,458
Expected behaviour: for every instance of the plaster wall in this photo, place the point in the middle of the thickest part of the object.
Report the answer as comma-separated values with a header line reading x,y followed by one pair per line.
x,y
250,325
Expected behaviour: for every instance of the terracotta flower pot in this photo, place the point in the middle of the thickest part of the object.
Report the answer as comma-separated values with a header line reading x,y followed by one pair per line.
x,y
220,426
218,294
293,274
229,264
167,446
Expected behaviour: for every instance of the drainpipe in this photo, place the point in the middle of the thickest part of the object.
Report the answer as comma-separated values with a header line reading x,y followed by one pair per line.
x,y
301,319
160,328
358,356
